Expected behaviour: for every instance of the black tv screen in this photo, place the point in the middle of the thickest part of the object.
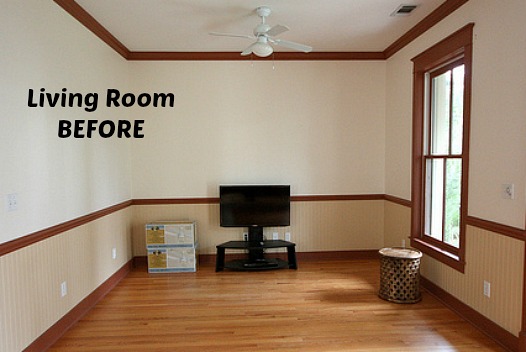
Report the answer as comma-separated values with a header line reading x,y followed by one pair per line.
x,y
254,205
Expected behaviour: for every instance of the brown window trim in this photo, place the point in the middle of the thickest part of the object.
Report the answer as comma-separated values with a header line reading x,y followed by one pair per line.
x,y
459,44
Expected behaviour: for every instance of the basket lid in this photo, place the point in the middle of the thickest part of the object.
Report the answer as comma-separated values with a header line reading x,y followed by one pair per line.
x,y
399,252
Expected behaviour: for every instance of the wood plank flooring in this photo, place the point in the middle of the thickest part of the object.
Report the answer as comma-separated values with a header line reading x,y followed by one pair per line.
x,y
322,306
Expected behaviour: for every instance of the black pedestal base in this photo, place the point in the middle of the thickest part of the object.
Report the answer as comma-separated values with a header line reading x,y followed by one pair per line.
x,y
246,265
256,262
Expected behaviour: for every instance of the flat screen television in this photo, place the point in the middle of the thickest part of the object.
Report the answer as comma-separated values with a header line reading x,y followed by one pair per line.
x,y
255,207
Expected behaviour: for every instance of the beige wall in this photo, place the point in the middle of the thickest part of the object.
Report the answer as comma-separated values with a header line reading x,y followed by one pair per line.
x,y
30,278
55,179
318,126
498,125
397,225
497,155
323,127
316,226
490,257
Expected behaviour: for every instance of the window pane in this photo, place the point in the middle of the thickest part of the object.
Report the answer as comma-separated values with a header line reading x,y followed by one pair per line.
x,y
452,207
434,198
457,110
440,109
441,119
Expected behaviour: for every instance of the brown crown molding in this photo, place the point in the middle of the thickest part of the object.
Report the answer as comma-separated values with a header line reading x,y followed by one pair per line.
x,y
41,235
495,227
398,200
336,197
166,201
38,236
299,198
236,56
75,10
441,12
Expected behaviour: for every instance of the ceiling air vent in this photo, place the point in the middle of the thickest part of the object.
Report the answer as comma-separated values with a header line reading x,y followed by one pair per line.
x,y
403,10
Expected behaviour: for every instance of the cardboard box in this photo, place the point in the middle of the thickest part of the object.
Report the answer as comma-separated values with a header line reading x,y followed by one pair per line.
x,y
172,259
171,232
171,246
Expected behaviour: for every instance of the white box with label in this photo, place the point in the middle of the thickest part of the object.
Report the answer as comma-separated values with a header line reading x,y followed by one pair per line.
x,y
171,246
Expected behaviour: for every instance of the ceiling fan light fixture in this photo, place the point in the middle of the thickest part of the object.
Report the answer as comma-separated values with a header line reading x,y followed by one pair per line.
x,y
262,49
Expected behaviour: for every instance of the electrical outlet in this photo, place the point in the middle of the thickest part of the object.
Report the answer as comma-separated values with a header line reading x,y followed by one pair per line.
x,y
507,191
275,235
63,289
11,202
487,289
287,236
114,253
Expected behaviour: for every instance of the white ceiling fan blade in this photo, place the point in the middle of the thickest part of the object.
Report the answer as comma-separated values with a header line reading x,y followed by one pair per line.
x,y
277,29
248,50
218,34
263,36
292,45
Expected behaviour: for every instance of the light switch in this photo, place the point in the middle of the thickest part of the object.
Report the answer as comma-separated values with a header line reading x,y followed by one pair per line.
x,y
12,202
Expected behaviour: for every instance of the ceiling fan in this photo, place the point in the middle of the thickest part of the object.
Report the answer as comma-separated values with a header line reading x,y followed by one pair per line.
x,y
264,37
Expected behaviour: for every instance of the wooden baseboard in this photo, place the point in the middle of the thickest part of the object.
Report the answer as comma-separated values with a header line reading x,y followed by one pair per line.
x,y
338,255
48,338
488,327
522,341
300,256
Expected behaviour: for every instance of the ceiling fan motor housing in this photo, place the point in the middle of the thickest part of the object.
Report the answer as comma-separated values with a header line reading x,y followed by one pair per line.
x,y
263,11
263,27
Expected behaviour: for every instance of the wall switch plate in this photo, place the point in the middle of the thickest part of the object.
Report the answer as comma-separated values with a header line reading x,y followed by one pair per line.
x,y
63,289
12,202
507,191
275,235
287,236
487,289
114,253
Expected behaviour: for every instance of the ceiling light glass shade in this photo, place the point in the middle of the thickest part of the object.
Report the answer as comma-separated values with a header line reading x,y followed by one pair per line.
x,y
262,49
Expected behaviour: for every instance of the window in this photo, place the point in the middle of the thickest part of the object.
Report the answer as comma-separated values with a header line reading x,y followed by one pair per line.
x,y
441,111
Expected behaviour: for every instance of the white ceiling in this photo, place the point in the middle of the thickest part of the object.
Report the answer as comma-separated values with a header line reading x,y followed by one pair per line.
x,y
327,26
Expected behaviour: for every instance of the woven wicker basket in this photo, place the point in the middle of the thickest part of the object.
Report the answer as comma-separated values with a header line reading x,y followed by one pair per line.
x,y
400,275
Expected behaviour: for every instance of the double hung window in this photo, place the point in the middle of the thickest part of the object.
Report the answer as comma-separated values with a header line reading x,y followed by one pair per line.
x,y
441,110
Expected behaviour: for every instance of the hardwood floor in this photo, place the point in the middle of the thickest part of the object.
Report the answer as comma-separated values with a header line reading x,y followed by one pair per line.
x,y
323,306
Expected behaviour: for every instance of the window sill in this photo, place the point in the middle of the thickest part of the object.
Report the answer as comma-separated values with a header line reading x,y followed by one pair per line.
x,y
445,257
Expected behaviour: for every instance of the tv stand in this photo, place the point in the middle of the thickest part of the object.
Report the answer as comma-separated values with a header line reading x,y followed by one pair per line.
x,y
255,260
261,264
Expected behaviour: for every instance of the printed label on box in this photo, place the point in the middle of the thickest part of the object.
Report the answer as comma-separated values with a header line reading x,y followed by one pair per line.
x,y
155,234
157,259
